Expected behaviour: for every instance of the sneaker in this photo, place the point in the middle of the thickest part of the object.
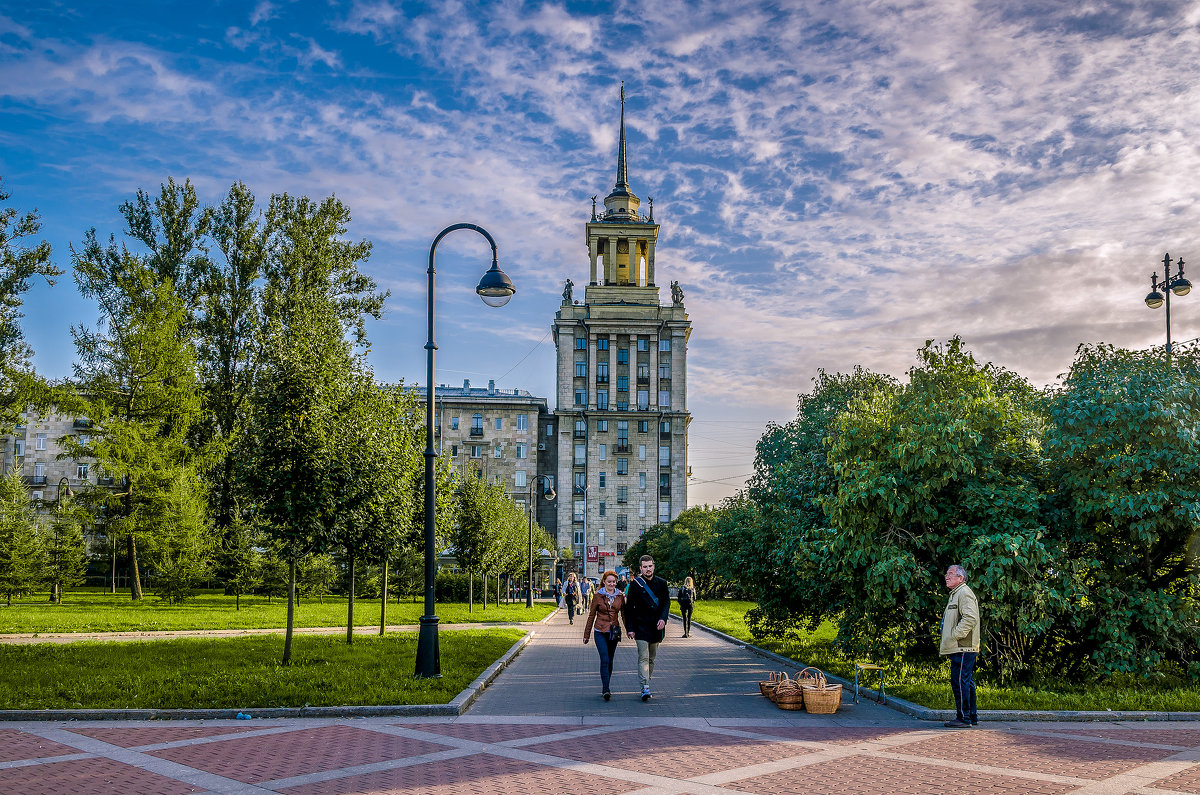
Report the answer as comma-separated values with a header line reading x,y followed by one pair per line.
x,y
956,724
645,694
607,695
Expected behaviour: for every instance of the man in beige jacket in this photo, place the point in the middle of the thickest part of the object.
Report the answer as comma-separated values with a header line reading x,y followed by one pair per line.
x,y
961,629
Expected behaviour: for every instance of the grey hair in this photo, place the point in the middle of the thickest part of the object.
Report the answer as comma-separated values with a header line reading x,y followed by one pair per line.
x,y
959,570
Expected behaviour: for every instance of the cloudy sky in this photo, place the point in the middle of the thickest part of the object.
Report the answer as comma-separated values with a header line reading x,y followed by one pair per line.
x,y
836,181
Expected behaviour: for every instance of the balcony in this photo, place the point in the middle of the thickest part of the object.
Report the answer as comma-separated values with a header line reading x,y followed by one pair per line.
x,y
580,462
105,481
34,480
580,490
664,491
82,423
580,434
601,379
643,380
622,448
477,431
665,435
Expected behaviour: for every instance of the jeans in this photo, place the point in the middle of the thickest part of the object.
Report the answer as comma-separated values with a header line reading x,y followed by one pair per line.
x,y
607,650
685,610
962,682
570,609
646,652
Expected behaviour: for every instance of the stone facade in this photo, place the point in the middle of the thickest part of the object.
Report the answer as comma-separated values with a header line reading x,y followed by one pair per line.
x,y
34,449
622,387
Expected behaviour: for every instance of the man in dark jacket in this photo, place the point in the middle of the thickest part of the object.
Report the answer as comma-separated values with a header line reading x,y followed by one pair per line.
x,y
647,606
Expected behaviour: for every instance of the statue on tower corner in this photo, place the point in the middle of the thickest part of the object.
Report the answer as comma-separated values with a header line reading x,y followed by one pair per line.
x,y
676,292
567,291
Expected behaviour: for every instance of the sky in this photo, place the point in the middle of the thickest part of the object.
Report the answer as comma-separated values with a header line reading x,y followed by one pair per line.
x,y
836,182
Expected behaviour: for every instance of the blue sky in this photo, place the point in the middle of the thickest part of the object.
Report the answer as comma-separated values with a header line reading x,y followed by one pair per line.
x,y
836,181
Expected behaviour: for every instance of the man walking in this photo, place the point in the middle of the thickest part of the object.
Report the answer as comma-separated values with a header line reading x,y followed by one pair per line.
x,y
647,606
961,630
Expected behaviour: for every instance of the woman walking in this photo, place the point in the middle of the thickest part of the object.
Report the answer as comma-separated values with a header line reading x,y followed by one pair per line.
x,y
604,621
686,596
571,596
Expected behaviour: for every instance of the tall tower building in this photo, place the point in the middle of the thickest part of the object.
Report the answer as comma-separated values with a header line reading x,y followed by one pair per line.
x,y
622,387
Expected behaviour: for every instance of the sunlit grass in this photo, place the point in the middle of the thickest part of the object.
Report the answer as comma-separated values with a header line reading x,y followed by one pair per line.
x,y
94,611
242,673
928,684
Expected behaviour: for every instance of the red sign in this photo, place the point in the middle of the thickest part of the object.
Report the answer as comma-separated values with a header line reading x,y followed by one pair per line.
x,y
593,554
608,553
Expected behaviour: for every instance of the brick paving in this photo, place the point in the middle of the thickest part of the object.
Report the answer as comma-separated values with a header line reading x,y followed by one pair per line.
x,y
543,728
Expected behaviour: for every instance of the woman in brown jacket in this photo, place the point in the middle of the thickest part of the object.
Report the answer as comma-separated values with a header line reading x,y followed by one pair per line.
x,y
604,619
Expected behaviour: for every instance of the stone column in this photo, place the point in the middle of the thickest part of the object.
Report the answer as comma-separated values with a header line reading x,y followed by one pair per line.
x,y
610,262
592,252
649,263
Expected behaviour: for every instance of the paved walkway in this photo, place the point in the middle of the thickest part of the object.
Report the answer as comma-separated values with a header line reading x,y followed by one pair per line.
x,y
542,728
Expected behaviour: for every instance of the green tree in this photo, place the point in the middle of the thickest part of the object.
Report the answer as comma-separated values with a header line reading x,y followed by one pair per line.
x,y
1124,450
22,551
241,561
684,547
480,506
65,546
183,552
21,259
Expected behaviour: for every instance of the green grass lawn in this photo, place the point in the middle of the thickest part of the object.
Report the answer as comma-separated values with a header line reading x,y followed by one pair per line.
x,y
928,684
242,673
95,611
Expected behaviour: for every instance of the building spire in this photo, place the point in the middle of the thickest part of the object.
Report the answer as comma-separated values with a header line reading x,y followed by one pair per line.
x,y
622,164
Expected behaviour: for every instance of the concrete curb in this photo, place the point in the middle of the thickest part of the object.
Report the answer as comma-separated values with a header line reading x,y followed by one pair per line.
x,y
457,706
925,713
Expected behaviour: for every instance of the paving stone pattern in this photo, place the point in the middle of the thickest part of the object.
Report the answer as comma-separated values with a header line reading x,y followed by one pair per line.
x,y
543,729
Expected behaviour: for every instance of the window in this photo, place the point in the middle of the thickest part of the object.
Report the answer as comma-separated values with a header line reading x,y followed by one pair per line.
x,y
579,534
622,547
581,343
600,534
580,429
603,479
622,466
664,345
641,452
36,496
522,422
602,400
623,434
522,450
580,454
453,450
580,397
643,397
643,343
602,425
603,508
664,429
664,370
454,423
664,512
40,444
499,423
622,523
643,372
664,398
622,494
499,480
643,426
519,478
622,356
664,456
580,482
581,369
550,429
496,451
19,448
477,425
642,481
664,484
602,343
85,438
476,451
641,507
578,514
601,372
622,383
603,452
622,405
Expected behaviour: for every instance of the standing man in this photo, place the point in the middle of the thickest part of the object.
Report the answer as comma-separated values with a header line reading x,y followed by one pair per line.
x,y
647,606
961,629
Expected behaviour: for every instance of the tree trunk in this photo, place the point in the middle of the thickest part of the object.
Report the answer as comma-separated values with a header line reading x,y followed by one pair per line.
x,y
135,576
470,592
237,601
291,612
383,599
112,545
350,607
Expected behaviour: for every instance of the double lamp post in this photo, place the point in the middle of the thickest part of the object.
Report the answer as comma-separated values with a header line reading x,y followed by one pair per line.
x,y
1177,285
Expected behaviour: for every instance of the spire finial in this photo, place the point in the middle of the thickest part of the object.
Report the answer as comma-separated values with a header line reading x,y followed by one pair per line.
x,y
622,167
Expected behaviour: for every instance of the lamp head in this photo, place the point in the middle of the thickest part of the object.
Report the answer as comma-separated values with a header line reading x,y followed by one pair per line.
x,y
550,494
1181,286
1154,300
495,288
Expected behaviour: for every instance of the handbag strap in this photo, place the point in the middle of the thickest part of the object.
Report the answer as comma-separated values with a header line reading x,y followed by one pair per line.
x,y
641,582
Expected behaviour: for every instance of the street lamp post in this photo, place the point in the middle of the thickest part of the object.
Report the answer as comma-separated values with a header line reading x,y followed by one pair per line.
x,y
64,487
1179,285
550,495
495,289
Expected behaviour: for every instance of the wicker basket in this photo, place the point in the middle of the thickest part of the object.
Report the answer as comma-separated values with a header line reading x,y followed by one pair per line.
x,y
782,681
789,695
820,697
773,678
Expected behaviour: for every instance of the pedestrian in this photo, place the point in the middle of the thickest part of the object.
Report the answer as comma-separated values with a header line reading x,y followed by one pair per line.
x,y
685,597
585,593
961,630
571,596
647,607
558,592
604,621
